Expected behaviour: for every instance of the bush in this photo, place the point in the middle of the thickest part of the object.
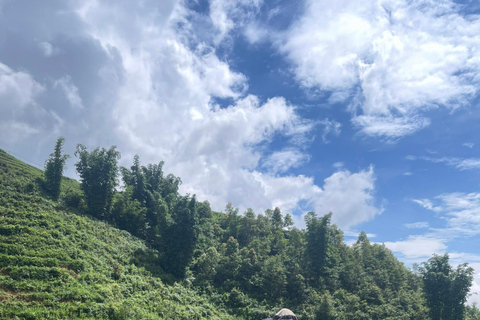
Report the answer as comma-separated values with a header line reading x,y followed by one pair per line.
x,y
73,199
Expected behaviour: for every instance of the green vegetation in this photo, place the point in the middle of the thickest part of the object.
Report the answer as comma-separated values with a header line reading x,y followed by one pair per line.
x,y
177,259
98,173
54,168
446,289
58,265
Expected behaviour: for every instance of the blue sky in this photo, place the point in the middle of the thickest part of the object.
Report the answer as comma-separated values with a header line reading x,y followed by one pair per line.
x,y
368,109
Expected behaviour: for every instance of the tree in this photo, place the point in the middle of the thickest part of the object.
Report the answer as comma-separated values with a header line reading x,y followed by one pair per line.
x,y
129,214
181,237
98,172
135,178
277,219
54,167
317,243
233,220
288,221
446,289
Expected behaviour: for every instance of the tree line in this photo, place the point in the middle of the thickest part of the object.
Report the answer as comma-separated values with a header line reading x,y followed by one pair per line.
x,y
256,262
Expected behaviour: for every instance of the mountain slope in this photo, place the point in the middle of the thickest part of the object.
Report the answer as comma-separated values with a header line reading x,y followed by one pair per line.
x,y
55,264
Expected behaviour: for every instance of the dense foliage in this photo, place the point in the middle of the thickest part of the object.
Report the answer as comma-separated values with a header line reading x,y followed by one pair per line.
x,y
446,289
98,173
181,252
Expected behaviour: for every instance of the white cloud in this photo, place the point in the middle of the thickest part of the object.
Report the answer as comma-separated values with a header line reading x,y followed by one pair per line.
x,y
391,127
70,91
282,161
458,163
468,144
164,111
460,210
48,49
330,126
152,86
417,225
286,192
406,57
338,165
227,15
22,116
339,96
17,89
255,33
418,246
348,195
427,204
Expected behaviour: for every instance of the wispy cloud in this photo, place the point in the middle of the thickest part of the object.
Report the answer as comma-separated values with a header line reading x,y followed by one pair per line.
x,y
70,91
461,211
282,161
417,225
461,164
330,127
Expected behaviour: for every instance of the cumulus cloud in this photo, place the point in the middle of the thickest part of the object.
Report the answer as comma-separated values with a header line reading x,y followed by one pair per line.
x,y
402,57
358,188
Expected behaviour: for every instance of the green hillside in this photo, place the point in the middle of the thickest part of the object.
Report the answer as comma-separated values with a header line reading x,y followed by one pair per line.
x,y
171,257
58,265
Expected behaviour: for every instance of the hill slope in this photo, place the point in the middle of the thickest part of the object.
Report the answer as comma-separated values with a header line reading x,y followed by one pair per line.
x,y
55,264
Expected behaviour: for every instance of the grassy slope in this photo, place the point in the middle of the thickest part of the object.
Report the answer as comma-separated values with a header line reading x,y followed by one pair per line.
x,y
58,265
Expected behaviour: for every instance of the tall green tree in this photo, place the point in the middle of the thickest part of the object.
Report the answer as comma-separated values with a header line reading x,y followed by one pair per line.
x,y
317,243
54,168
181,237
446,289
98,172
277,219
135,178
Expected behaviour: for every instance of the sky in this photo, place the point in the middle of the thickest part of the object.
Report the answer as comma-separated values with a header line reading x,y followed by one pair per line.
x,y
368,109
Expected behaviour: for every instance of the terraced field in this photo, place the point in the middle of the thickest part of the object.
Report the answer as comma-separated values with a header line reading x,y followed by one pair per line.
x,y
55,264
